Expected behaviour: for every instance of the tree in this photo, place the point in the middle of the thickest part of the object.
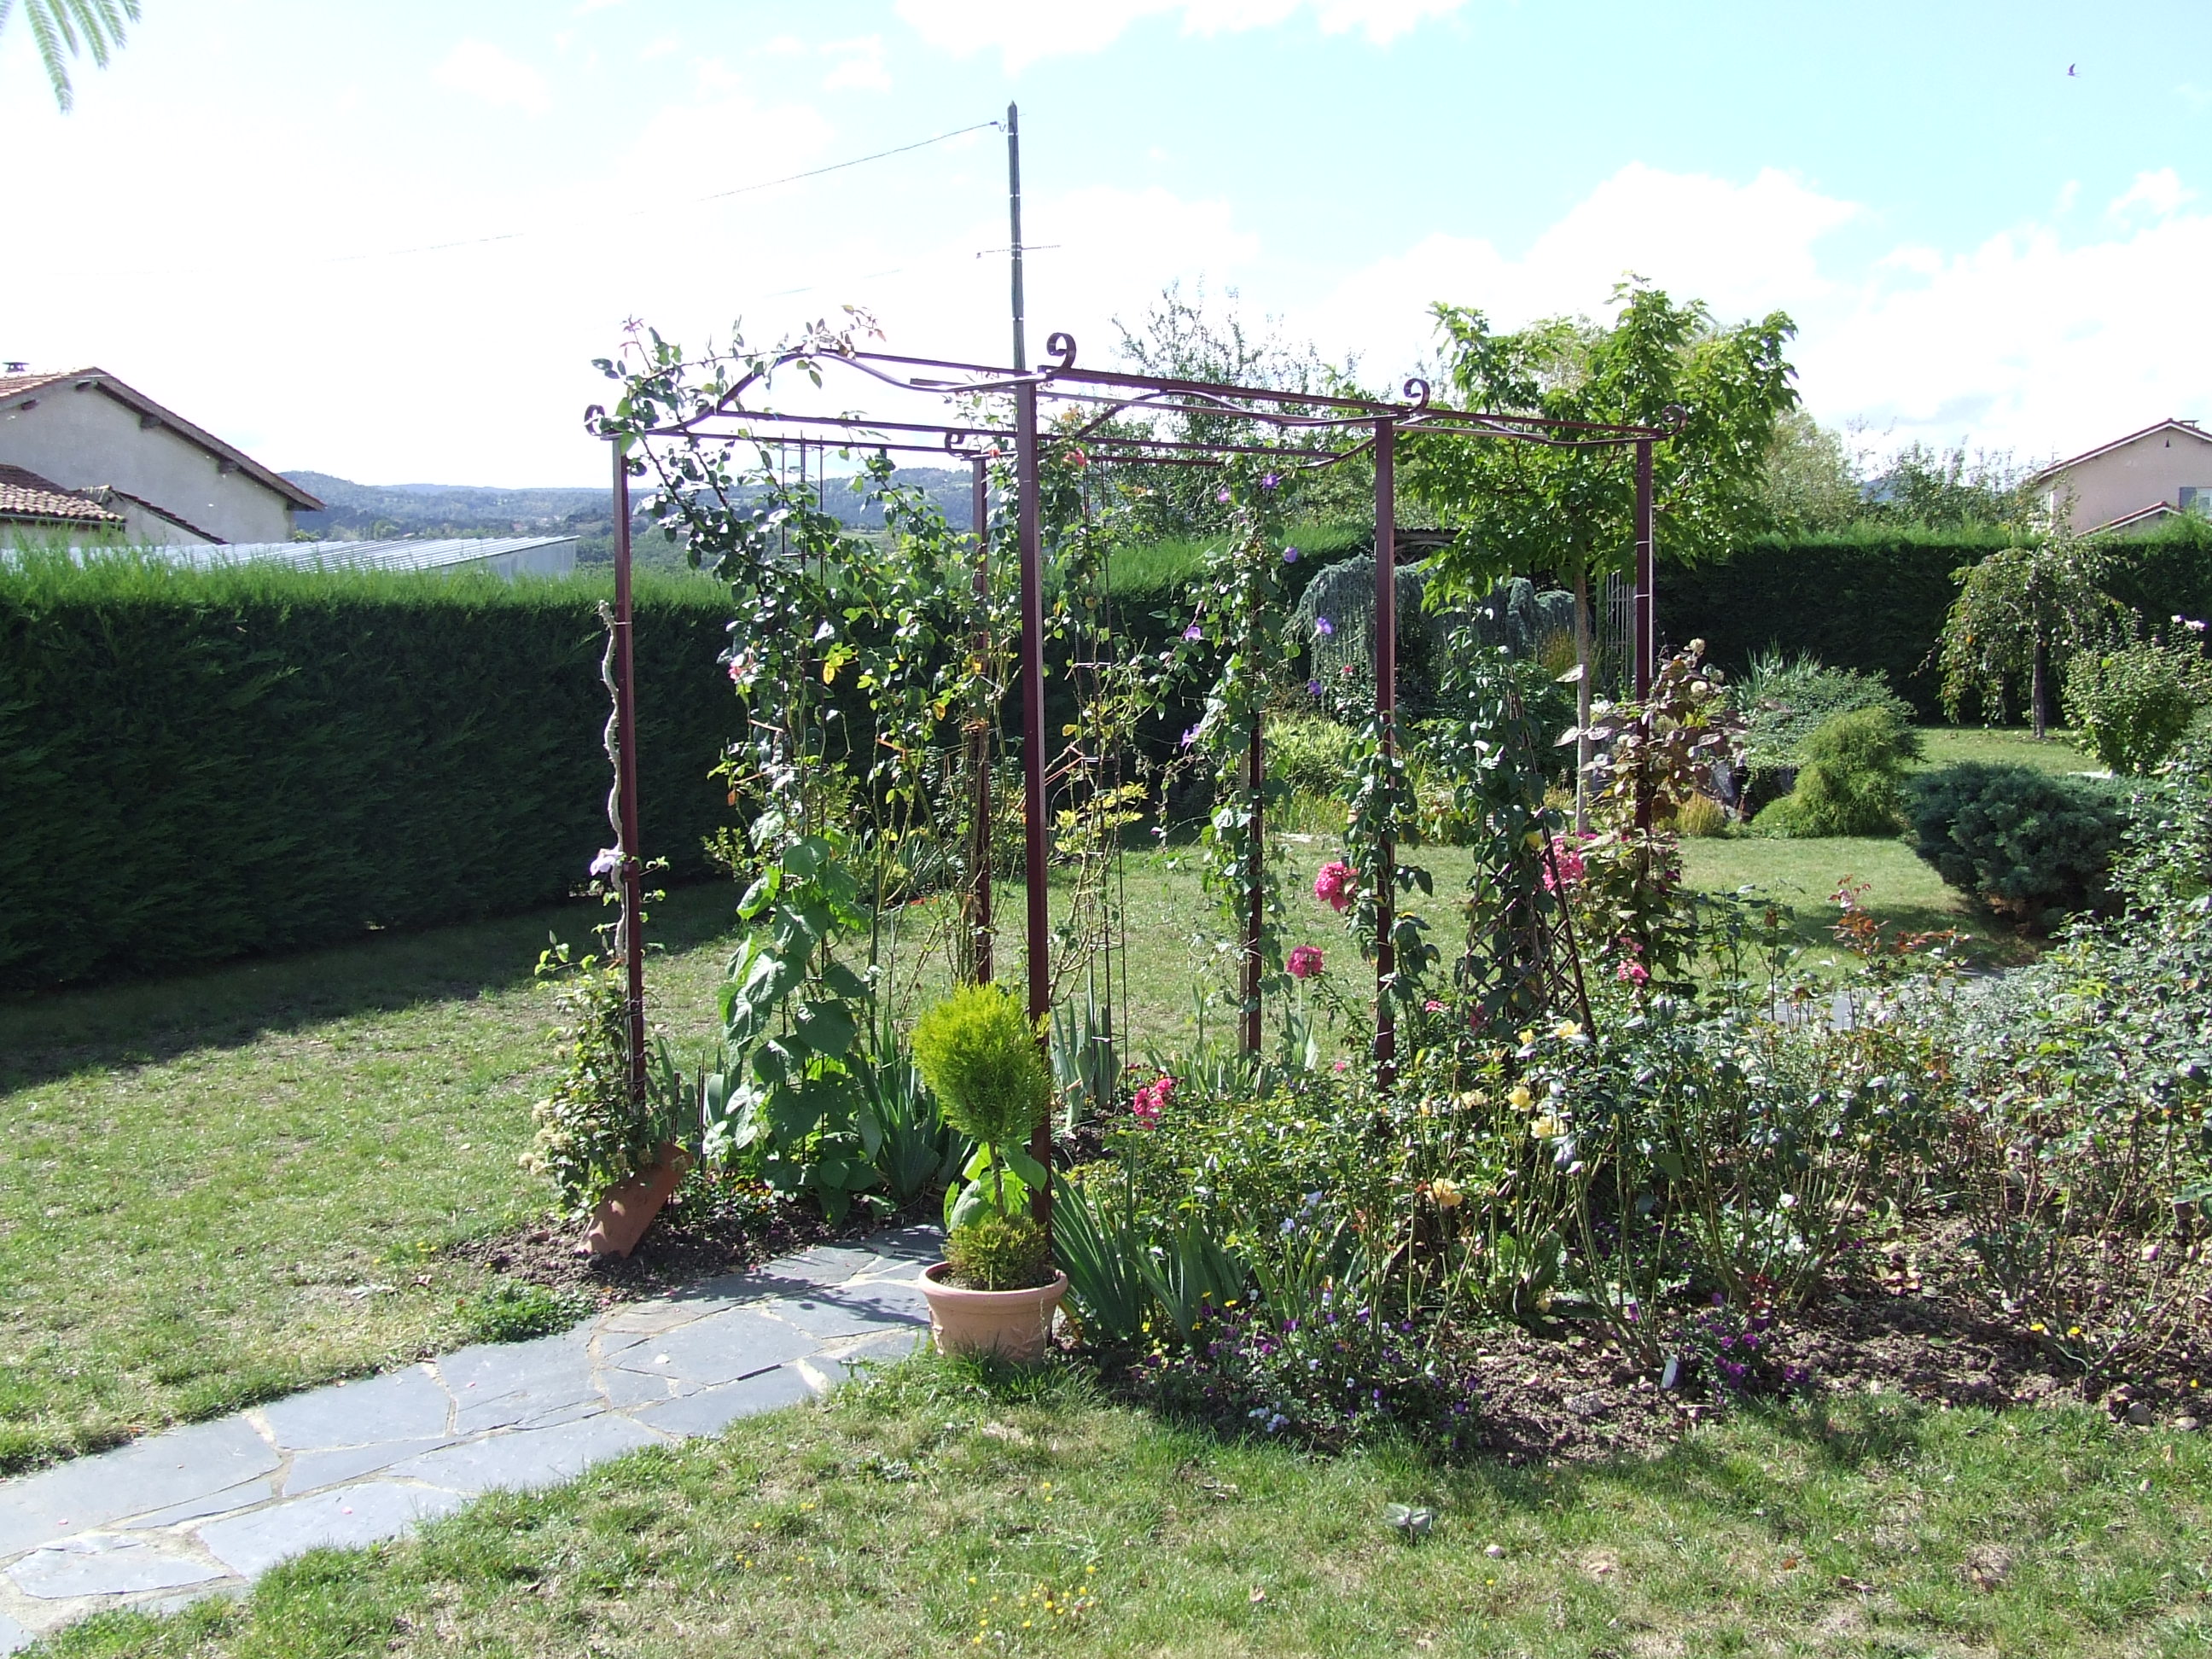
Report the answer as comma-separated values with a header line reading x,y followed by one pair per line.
x,y
1811,482
1528,509
1186,339
62,28
2026,610
1944,489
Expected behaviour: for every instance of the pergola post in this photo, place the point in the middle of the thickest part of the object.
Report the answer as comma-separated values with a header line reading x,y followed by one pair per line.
x,y
1384,880
631,873
1255,875
1646,637
979,747
1036,869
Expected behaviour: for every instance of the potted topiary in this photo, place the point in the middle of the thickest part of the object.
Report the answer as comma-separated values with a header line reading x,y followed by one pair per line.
x,y
996,1288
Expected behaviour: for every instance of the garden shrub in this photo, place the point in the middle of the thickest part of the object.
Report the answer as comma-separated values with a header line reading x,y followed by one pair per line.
x,y
996,1252
1701,816
2031,846
1310,753
1782,702
1848,783
2129,707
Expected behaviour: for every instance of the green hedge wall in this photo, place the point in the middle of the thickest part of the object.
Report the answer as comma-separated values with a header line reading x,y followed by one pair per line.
x,y
198,766
1875,599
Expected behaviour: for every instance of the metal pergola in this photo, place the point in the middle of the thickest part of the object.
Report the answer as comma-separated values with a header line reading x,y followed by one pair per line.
x,y
942,397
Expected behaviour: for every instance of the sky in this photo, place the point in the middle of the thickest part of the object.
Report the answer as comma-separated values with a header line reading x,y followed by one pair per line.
x,y
387,242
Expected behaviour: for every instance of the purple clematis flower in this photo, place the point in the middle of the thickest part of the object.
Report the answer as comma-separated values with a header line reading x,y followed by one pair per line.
x,y
1323,627
1194,632
1223,497
1289,555
1190,736
1269,482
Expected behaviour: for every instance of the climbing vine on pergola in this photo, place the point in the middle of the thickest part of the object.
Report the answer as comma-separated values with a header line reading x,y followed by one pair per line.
x,y
679,421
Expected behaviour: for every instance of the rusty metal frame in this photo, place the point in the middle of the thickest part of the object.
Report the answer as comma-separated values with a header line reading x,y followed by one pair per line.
x,y
1365,425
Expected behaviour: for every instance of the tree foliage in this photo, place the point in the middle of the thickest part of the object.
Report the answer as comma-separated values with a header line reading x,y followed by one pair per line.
x,y
62,29
1529,507
2022,613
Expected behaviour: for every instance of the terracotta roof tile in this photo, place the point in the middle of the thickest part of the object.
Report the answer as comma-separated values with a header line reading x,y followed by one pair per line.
x,y
25,494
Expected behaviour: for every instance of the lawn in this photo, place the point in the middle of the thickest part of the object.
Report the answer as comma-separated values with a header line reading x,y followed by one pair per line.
x,y
227,1186
926,1511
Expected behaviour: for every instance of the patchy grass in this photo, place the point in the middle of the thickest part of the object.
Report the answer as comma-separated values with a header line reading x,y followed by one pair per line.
x,y
222,1188
1947,746
928,1510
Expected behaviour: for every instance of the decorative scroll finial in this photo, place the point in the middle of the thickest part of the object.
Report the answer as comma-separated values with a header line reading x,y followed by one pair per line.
x,y
1061,346
1418,390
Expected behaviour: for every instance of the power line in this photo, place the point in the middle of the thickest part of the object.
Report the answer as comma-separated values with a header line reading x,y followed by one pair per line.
x,y
693,201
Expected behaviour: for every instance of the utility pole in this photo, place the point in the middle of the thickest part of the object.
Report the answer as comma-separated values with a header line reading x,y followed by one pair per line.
x,y
1014,214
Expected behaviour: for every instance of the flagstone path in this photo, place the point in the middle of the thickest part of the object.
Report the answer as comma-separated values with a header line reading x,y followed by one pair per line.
x,y
207,1509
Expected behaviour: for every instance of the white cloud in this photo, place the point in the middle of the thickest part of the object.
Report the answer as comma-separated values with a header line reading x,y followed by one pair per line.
x,y
1023,30
2031,342
2026,343
859,65
2160,192
1743,249
482,71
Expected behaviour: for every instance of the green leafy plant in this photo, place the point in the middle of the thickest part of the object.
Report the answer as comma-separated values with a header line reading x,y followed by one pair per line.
x,y
2129,707
591,1136
1100,1243
993,1252
2030,846
979,1053
1848,784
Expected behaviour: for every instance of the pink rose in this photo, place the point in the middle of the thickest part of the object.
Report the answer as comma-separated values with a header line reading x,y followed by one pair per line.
x,y
1306,962
1334,885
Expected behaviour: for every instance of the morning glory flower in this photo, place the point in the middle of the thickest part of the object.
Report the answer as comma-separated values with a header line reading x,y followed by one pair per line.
x,y
1323,627
1194,632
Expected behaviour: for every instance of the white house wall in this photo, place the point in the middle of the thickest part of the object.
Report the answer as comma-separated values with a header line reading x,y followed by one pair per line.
x,y
2154,467
81,439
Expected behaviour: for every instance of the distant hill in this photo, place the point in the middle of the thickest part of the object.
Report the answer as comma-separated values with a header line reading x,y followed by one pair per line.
x,y
357,512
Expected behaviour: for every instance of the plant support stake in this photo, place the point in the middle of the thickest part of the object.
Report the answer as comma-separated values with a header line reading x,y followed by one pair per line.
x,y
632,871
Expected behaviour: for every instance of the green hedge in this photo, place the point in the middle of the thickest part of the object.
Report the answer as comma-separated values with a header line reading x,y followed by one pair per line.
x,y
1875,597
198,766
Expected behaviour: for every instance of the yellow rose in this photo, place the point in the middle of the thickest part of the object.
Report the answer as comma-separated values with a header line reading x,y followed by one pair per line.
x,y
1566,1030
1446,1193
1527,1034
1546,1127
1521,1099
1469,1101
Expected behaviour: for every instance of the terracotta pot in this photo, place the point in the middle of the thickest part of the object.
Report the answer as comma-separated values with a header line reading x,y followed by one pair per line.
x,y
1012,1324
626,1212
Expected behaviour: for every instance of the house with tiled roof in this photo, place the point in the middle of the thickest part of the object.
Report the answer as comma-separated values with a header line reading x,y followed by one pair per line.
x,y
2135,481
86,457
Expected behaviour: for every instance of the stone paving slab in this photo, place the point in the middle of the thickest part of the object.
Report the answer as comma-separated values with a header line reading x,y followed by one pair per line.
x,y
207,1509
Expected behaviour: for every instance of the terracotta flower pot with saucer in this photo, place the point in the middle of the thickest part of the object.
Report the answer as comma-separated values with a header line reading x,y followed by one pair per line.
x,y
1012,1324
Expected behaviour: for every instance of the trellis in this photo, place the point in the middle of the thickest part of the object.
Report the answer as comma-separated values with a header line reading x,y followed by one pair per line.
x,y
957,401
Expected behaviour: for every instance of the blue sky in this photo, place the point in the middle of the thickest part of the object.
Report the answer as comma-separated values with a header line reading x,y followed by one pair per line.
x,y
1978,246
